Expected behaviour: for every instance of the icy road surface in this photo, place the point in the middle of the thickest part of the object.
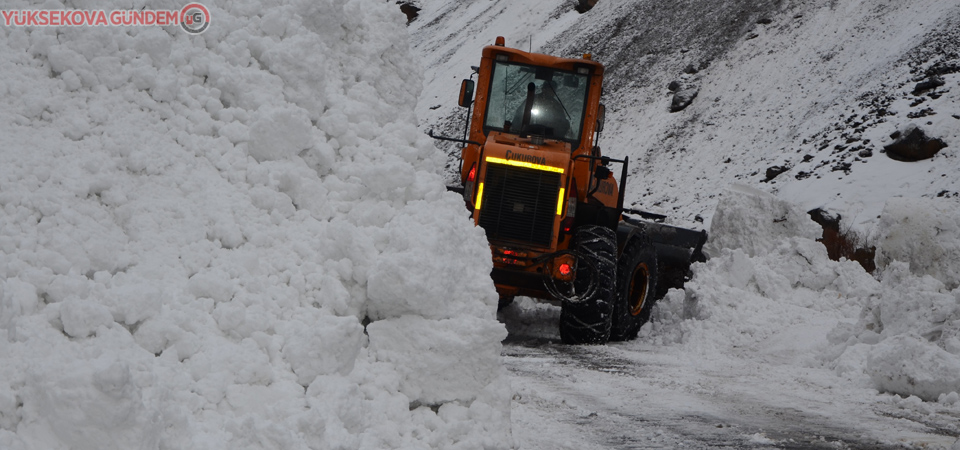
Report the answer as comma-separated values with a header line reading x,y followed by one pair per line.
x,y
636,395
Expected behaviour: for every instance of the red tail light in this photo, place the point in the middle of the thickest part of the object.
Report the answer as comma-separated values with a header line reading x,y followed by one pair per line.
x,y
472,176
468,186
563,267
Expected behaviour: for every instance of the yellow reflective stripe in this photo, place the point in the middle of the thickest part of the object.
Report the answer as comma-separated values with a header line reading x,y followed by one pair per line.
x,y
560,202
524,164
479,195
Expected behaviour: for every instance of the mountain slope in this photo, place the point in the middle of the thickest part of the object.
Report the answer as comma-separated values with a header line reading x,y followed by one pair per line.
x,y
780,84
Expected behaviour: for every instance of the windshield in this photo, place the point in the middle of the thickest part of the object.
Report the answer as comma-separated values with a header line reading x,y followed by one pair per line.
x,y
558,102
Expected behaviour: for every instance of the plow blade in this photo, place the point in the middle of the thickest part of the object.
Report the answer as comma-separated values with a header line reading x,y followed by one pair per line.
x,y
677,248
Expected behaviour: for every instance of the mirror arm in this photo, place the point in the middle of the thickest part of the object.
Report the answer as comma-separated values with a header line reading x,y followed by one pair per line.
x,y
444,138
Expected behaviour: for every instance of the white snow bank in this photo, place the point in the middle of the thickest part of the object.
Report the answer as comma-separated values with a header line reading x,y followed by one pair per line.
x,y
193,228
787,302
780,304
925,233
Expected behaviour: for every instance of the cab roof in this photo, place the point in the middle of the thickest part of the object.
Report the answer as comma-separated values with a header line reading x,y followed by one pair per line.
x,y
538,59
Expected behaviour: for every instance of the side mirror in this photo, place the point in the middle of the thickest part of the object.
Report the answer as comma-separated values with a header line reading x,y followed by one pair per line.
x,y
466,93
601,115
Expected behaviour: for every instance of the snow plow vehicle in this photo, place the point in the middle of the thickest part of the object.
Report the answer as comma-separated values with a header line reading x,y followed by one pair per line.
x,y
537,183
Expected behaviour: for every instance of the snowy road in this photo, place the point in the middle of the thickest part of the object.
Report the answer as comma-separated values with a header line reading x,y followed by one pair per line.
x,y
636,395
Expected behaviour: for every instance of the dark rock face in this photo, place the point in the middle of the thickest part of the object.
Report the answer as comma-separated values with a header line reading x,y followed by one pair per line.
x,y
930,83
411,10
683,98
673,86
774,171
840,244
912,144
585,5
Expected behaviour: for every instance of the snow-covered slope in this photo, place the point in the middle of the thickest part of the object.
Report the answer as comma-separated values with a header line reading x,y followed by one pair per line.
x,y
235,240
807,85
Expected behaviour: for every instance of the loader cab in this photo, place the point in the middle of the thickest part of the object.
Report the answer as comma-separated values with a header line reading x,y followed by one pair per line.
x,y
529,95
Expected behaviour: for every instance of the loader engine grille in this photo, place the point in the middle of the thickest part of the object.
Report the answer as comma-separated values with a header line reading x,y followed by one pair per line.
x,y
519,204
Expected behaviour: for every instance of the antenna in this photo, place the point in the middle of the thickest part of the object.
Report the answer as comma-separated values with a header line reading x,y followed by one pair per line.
x,y
531,43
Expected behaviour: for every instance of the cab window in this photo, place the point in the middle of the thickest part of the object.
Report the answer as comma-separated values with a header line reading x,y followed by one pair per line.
x,y
559,101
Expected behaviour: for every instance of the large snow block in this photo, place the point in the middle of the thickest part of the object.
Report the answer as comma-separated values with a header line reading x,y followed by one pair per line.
x,y
439,360
906,365
924,233
434,264
756,222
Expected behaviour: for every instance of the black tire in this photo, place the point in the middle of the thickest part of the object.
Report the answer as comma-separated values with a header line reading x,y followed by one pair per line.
x,y
636,288
588,320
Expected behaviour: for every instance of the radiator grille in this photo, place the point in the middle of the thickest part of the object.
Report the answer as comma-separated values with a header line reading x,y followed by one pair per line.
x,y
519,204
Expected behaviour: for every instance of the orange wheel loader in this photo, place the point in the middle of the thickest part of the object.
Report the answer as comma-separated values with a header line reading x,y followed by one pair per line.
x,y
535,180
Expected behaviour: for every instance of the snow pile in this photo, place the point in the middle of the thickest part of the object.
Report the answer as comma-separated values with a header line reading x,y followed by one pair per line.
x,y
912,329
787,302
195,228
762,283
907,338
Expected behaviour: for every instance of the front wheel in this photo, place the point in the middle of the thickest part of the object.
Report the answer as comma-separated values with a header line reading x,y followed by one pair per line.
x,y
636,288
587,318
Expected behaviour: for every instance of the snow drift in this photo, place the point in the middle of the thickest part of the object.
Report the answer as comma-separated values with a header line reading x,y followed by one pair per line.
x,y
779,295
195,230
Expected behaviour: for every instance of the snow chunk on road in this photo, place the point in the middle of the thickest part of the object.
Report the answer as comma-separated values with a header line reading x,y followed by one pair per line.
x,y
907,365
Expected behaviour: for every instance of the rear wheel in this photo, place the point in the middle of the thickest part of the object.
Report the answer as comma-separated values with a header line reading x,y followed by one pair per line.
x,y
636,288
587,318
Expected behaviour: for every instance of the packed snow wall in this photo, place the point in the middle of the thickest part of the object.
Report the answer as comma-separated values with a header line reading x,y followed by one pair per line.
x,y
237,239
771,290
